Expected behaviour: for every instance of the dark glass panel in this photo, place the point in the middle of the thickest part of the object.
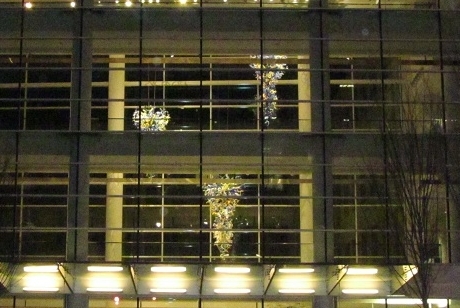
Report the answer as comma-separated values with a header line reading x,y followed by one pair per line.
x,y
342,117
181,244
369,117
183,72
343,190
182,217
41,217
45,195
342,93
145,194
144,217
97,194
97,217
43,243
284,244
233,118
281,217
278,193
234,92
232,72
182,194
96,244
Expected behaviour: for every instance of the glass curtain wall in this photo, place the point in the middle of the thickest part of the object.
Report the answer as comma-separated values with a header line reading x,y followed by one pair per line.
x,y
209,86
227,100
208,133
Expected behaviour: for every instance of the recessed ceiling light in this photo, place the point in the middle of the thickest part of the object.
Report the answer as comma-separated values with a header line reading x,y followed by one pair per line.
x,y
41,269
296,291
362,271
232,270
40,289
106,269
102,289
232,291
411,301
360,291
168,269
170,290
294,270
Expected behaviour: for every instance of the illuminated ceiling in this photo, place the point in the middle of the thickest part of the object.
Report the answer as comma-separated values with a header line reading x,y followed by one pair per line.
x,y
194,281
225,281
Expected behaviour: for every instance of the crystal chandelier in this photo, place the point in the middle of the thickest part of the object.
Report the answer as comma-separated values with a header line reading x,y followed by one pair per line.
x,y
149,118
269,74
222,199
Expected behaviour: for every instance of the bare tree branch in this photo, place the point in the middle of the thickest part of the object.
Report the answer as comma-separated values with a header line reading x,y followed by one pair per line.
x,y
415,164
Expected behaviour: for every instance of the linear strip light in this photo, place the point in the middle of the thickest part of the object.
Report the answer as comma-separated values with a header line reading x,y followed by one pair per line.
x,y
362,271
294,270
41,269
360,291
232,291
101,289
168,290
296,291
106,269
168,269
40,289
232,270
411,301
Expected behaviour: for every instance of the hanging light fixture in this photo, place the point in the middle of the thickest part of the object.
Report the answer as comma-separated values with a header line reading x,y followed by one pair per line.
x,y
223,199
151,118
269,74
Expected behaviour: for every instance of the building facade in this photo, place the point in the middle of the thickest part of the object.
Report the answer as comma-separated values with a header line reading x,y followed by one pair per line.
x,y
148,146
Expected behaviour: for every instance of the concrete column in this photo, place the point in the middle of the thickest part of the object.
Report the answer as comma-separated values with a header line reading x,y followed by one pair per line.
x,y
114,217
306,218
80,123
76,301
305,186
114,204
304,95
116,112
324,302
321,124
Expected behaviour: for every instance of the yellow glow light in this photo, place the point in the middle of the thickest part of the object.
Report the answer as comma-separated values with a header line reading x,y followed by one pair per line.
x,y
41,269
232,291
40,289
362,271
360,291
105,269
101,289
232,270
168,269
411,301
172,290
300,270
296,291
